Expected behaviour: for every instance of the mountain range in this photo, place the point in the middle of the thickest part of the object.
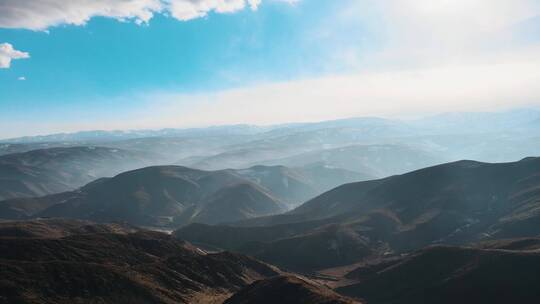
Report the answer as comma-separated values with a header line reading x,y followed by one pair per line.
x,y
174,196
53,170
490,137
351,211
455,203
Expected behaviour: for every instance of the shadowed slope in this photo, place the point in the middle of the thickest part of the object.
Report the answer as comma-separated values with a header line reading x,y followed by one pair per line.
x,y
451,275
455,203
287,290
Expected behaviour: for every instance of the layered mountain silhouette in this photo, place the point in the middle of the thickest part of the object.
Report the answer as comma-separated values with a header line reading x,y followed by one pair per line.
x,y
173,196
53,170
104,264
374,160
455,203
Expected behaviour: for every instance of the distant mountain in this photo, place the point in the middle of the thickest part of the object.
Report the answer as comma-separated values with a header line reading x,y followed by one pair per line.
x,y
173,196
288,290
99,266
512,121
170,149
107,136
8,148
492,137
454,203
54,170
274,146
372,160
295,185
504,274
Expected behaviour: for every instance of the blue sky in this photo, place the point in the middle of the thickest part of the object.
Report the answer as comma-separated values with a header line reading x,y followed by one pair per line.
x,y
107,73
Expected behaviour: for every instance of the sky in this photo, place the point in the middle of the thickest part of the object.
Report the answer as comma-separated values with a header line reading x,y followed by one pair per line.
x,y
77,65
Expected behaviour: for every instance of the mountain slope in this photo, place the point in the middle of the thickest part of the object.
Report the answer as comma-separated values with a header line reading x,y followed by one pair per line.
x,y
54,170
155,196
295,185
287,290
455,203
233,203
160,196
173,195
451,275
105,267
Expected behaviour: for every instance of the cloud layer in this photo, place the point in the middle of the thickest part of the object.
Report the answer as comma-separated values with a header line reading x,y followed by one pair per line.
x,y
8,53
404,93
40,15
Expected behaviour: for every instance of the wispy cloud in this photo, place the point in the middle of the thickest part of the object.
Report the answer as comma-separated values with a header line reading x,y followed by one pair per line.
x,y
401,93
435,56
430,57
8,53
40,15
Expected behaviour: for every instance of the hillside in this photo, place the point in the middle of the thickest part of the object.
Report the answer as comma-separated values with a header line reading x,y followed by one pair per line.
x,y
174,196
455,203
107,267
159,196
451,275
53,170
295,185
287,290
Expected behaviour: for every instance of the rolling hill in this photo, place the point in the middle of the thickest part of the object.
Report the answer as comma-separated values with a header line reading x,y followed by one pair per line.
x,y
504,273
174,196
376,160
287,290
455,203
53,170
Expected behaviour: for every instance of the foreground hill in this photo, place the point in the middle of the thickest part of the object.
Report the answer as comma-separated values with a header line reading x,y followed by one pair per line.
x,y
108,267
287,290
59,228
453,275
54,170
455,203
173,196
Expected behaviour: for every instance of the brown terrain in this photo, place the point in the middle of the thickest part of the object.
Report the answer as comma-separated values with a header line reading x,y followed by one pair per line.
x,y
88,263
288,290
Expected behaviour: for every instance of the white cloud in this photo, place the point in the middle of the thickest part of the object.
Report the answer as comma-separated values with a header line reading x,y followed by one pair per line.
x,y
191,9
8,53
21,78
485,86
441,30
42,14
